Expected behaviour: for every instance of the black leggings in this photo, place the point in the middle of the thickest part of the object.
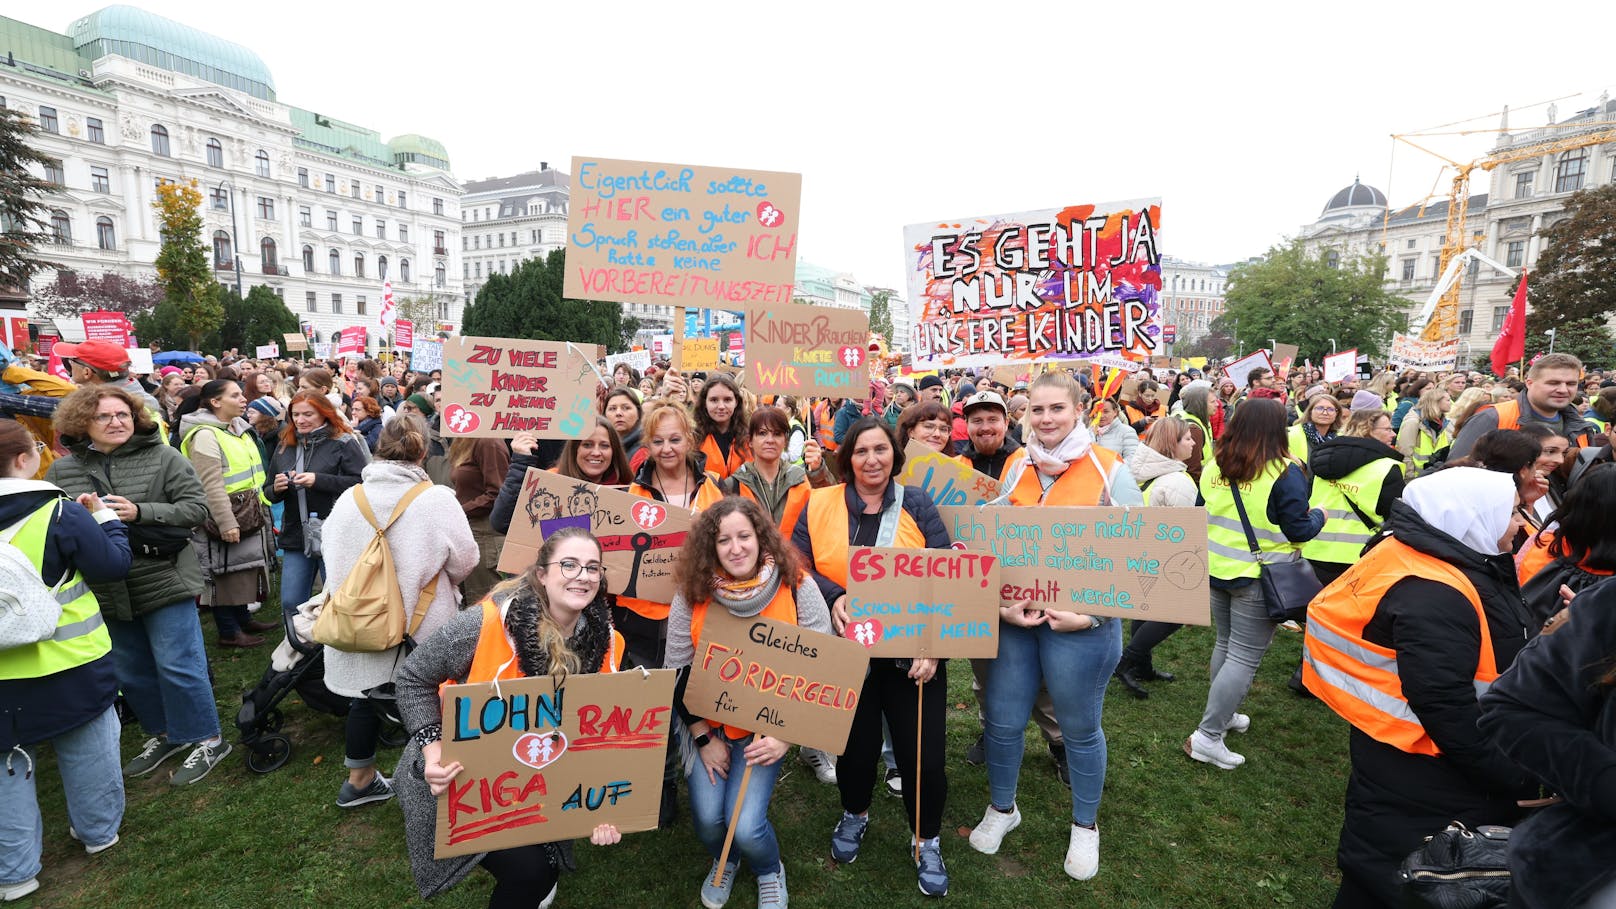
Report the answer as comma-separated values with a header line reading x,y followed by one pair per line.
x,y
1146,635
889,692
523,876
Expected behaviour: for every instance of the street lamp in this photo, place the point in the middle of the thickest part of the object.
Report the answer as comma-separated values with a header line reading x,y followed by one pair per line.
x,y
235,242
1551,333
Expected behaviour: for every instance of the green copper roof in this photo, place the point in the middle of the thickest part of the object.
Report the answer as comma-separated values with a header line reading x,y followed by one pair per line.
x,y
150,38
419,149
335,137
28,44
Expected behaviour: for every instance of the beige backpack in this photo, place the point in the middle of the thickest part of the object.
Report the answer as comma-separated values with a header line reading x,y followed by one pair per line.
x,y
366,613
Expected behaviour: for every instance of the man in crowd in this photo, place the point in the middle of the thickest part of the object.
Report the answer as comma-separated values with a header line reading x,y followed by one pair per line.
x,y
987,424
98,362
1551,383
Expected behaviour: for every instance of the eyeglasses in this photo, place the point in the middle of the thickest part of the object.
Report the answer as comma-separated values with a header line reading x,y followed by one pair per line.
x,y
570,568
106,418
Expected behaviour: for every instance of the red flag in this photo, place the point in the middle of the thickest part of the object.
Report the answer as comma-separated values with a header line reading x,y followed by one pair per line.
x,y
1511,344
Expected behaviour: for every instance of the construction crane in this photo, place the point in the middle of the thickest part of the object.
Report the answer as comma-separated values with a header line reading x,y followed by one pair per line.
x,y
1444,319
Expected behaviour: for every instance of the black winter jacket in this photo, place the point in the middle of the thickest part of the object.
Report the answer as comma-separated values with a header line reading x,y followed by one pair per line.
x,y
993,464
544,457
1338,456
336,464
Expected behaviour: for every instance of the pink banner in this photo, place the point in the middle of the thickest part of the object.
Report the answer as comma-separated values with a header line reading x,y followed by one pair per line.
x,y
106,326
352,343
404,334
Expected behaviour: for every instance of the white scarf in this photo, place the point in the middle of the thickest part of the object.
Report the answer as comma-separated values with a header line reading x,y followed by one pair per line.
x,y
1054,463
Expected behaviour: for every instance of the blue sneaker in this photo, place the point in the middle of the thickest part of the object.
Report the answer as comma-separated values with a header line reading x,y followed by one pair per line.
x,y
714,896
845,839
933,873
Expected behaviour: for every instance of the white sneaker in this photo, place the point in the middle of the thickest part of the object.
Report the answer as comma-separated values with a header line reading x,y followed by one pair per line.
x,y
93,850
1083,853
823,765
1211,751
1239,722
995,824
549,898
17,891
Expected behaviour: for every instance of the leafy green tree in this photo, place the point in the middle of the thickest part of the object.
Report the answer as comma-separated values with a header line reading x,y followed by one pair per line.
x,y
182,262
262,318
881,314
527,303
22,195
1296,298
1573,290
162,325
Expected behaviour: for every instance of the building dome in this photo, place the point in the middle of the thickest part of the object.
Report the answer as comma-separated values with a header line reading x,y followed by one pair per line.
x,y
1355,196
152,39
418,149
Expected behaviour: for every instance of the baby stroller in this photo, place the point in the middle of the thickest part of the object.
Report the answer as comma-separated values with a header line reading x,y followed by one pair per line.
x,y
298,664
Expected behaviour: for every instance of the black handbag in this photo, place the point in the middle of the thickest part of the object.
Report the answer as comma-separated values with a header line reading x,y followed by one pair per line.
x,y
1287,586
1459,868
152,541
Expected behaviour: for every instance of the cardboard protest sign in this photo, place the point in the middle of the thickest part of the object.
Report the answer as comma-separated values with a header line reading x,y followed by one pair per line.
x,y
641,537
1240,370
545,763
935,603
1425,356
498,387
403,334
266,351
1079,282
695,354
808,350
1340,366
638,359
775,679
1284,357
295,341
681,235
106,326
1134,563
948,481
426,356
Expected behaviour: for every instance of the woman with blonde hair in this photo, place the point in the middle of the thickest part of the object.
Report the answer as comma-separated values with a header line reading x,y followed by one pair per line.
x,y
1465,406
1422,437
1321,417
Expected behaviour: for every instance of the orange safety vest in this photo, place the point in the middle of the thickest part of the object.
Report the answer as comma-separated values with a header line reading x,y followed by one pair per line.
x,y
717,466
827,527
706,494
824,426
495,659
783,608
1534,555
796,501
1509,417
1358,679
1081,484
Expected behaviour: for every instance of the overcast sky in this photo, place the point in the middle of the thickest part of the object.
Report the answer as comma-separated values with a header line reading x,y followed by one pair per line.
x,y
1243,117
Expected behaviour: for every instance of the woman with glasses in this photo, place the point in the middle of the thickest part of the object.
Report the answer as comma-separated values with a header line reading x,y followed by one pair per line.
x,y
552,620
1322,415
433,551
116,451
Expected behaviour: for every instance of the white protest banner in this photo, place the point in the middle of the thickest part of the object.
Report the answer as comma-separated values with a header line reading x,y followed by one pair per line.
x,y
267,351
1075,282
639,360
1240,370
426,356
1338,367
1423,356
322,350
140,361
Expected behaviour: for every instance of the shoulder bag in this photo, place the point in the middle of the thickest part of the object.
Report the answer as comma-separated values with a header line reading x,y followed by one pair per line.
x,y
1288,584
151,541
1459,868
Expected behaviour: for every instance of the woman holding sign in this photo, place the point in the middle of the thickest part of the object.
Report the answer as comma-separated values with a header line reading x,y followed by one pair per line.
x,y
721,426
552,619
1069,653
735,559
870,509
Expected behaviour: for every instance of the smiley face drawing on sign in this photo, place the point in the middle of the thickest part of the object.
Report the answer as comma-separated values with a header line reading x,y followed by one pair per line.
x,y
459,421
540,749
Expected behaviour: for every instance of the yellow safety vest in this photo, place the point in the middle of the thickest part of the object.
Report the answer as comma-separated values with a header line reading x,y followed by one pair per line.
x,y
1228,555
81,633
1425,446
1345,534
1296,437
243,468
1206,433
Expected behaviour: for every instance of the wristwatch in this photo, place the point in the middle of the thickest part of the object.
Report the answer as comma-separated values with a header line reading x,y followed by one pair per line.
x,y
702,740
1098,620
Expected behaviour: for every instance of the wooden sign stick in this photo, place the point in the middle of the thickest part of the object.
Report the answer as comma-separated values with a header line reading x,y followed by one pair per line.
x,y
920,703
734,817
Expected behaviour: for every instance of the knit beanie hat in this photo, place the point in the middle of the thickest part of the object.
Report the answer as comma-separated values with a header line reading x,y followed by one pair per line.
x,y
269,407
422,403
1367,400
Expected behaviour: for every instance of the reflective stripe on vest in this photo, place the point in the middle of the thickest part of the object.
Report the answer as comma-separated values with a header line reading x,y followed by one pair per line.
x,y
829,530
1344,533
1228,554
1359,679
1425,445
782,608
243,467
81,635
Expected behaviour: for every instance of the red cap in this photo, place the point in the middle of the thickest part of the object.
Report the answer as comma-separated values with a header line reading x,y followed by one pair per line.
x,y
95,353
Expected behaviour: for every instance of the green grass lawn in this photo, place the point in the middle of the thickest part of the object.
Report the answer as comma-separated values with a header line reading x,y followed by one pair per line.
x,y
1174,833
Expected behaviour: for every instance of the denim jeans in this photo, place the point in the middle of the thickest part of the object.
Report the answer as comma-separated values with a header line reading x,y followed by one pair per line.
x,y
163,670
712,803
1075,666
92,782
1244,633
297,580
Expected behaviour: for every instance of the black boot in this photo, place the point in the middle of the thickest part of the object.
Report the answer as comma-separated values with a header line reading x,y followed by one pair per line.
x,y
1147,671
1127,673
1297,685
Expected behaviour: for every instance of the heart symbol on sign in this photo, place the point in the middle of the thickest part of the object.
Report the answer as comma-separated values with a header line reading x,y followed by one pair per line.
x,y
769,216
866,632
540,749
648,515
459,420
851,357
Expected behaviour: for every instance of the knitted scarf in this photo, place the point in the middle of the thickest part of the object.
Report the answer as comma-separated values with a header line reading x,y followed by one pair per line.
x,y
589,640
1053,462
747,598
